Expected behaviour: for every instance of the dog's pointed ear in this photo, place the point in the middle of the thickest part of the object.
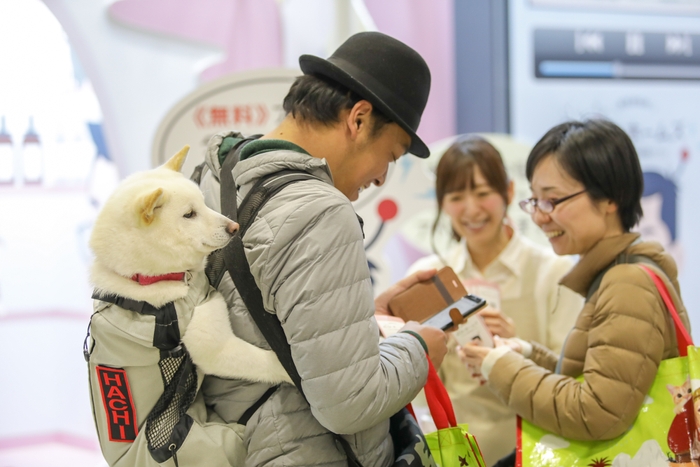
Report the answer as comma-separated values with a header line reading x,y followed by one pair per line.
x,y
175,162
148,205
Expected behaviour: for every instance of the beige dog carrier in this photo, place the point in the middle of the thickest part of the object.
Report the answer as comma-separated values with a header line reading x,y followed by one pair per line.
x,y
144,386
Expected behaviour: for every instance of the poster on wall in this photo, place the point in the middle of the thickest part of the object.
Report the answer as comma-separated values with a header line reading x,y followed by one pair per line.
x,y
248,102
638,65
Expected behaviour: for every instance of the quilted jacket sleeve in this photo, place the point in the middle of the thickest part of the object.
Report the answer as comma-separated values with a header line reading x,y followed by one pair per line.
x,y
624,344
543,356
314,275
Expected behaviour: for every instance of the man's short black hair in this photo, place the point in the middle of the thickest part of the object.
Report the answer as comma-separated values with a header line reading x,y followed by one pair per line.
x,y
598,154
315,99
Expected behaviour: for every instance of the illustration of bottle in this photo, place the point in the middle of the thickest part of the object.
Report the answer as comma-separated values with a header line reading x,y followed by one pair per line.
x,y
7,156
32,157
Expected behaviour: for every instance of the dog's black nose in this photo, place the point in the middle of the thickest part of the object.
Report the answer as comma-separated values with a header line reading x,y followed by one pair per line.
x,y
232,227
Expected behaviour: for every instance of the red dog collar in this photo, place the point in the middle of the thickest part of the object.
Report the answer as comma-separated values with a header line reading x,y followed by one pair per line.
x,y
148,280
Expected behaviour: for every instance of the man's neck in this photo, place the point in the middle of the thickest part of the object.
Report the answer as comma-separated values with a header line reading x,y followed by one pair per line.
x,y
318,140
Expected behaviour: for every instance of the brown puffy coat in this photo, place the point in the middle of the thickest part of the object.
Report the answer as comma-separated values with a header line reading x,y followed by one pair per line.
x,y
620,336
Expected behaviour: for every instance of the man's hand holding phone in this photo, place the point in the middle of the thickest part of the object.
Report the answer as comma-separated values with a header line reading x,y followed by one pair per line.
x,y
435,339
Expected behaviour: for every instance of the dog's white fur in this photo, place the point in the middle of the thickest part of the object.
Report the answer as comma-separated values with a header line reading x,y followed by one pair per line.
x,y
156,223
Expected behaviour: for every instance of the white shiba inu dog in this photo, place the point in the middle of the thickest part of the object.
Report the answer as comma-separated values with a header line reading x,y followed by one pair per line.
x,y
151,235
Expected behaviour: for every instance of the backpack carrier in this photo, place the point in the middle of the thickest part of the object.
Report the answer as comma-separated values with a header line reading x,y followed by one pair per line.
x,y
143,383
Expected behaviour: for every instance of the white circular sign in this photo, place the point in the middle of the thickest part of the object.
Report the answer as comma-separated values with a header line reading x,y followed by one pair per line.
x,y
249,102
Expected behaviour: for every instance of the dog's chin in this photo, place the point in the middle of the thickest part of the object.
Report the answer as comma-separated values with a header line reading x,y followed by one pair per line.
x,y
215,246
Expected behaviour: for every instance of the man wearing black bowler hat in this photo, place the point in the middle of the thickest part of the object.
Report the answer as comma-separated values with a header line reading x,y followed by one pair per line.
x,y
347,118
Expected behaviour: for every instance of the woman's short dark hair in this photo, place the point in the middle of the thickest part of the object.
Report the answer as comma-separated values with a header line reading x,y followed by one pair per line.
x,y
455,171
598,154
315,99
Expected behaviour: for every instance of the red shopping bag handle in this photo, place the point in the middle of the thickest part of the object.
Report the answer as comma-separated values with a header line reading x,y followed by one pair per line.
x,y
682,337
439,401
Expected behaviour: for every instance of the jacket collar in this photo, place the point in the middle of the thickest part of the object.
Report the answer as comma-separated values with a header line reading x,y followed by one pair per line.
x,y
601,255
259,146
248,171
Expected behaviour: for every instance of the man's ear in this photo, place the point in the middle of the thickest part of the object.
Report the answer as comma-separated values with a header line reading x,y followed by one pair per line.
x,y
148,205
359,118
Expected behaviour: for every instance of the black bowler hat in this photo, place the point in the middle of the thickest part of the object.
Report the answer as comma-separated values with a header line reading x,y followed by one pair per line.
x,y
384,71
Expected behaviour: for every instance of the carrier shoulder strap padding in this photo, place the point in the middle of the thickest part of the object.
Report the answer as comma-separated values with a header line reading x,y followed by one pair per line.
x,y
215,267
234,253
166,333
167,425
239,269
259,194
198,173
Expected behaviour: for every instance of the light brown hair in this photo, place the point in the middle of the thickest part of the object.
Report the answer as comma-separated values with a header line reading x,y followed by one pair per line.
x,y
455,171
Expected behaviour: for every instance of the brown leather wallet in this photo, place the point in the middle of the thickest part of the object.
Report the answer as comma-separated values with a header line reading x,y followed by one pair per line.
x,y
422,300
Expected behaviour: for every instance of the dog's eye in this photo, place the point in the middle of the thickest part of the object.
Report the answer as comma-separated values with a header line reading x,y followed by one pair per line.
x,y
190,215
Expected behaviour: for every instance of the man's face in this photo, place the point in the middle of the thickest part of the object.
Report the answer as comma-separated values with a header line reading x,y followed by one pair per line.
x,y
367,161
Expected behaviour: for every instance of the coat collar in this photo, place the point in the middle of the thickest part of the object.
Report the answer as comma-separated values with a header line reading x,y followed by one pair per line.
x,y
601,255
250,170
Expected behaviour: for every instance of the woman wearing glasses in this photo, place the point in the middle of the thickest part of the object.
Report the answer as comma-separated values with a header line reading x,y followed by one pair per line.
x,y
473,190
587,184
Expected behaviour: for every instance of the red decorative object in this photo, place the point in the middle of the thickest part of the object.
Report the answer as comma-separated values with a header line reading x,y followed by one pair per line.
x,y
387,209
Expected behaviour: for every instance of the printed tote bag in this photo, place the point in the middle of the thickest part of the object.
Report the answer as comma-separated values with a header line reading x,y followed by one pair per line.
x,y
664,433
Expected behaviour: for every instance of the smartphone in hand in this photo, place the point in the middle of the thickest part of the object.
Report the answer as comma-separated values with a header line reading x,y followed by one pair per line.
x,y
456,313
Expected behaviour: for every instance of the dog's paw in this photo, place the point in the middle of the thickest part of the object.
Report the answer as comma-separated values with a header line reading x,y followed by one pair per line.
x,y
277,373
215,349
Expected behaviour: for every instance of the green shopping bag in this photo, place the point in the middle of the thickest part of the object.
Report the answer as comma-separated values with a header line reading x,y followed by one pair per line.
x,y
663,434
451,445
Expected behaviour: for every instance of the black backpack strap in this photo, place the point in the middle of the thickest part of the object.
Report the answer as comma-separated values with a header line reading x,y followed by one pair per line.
x,y
239,269
262,191
216,266
253,408
198,172
166,335
237,264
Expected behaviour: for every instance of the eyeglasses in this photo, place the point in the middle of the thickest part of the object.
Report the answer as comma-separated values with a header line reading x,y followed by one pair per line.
x,y
544,205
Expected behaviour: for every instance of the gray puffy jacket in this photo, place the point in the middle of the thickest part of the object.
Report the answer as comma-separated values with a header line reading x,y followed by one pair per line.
x,y
306,253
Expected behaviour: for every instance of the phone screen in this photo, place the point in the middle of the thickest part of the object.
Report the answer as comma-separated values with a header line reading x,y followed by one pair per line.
x,y
465,305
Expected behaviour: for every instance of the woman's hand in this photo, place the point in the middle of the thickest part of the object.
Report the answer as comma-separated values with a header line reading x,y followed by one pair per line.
x,y
498,323
514,344
472,355
381,303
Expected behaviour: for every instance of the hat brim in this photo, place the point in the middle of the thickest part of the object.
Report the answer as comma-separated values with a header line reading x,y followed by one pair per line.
x,y
312,65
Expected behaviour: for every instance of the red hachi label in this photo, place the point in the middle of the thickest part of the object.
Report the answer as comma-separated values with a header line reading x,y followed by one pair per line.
x,y
119,407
